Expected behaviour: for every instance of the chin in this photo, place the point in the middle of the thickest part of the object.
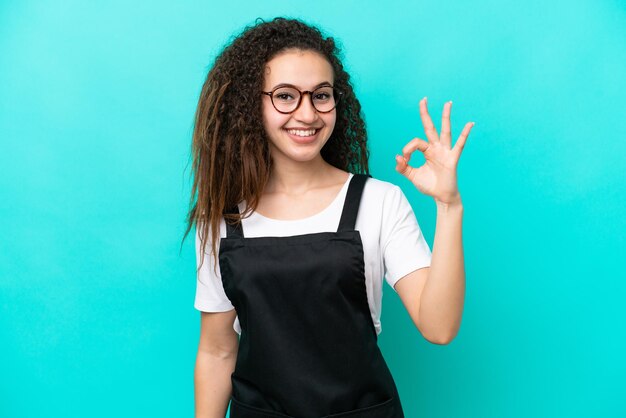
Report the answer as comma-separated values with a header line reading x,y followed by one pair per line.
x,y
299,156
298,152
304,158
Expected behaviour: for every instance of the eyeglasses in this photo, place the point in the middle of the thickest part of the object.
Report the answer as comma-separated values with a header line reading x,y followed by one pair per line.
x,y
287,99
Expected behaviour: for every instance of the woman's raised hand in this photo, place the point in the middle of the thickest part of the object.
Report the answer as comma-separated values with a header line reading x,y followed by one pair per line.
x,y
437,176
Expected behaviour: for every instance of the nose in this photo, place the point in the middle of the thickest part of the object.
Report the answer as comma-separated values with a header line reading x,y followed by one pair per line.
x,y
306,112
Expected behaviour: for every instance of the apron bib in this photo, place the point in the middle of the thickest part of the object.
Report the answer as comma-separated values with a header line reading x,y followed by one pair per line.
x,y
308,347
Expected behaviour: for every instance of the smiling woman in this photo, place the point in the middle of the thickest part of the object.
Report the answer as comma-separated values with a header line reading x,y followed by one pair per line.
x,y
300,237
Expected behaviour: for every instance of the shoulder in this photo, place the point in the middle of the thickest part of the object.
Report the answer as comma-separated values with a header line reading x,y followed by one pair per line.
x,y
378,184
379,190
382,201
385,200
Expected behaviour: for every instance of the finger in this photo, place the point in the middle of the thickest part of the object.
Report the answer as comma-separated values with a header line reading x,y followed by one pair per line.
x,y
446,134
414,144
460,143
402,167
429,128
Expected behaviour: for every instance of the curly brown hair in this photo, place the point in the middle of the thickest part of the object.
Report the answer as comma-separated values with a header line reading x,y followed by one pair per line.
x,y
230,151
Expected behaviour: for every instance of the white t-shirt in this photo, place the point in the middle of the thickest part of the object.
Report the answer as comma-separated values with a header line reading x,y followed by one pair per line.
x,y
393,244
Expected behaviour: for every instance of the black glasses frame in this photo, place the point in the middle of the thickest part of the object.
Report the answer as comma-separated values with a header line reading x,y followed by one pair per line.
x,y
336,92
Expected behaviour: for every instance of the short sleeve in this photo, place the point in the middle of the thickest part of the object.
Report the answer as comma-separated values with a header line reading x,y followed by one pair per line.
x,y
403,245
210,296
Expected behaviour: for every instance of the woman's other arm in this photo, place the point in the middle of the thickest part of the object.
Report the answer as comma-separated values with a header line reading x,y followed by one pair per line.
x,y
435,296
215,362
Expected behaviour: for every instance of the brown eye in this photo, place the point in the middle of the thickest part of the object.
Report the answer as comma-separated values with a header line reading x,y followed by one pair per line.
x,y
286,95
322,97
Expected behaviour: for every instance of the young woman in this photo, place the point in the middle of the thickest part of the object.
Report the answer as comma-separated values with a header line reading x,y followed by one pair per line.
x,y
293,237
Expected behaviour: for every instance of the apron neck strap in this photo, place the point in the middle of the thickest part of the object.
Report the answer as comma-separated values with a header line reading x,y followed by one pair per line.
x,y
348,214
236,230
351,204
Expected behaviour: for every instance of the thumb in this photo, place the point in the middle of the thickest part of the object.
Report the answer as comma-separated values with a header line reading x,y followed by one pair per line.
x,y
402,167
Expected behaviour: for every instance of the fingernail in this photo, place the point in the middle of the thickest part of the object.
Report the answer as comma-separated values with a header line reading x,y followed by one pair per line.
x,y
425,99
450,102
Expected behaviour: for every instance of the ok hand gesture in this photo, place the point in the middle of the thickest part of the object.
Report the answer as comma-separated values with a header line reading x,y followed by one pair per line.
x,y
437,177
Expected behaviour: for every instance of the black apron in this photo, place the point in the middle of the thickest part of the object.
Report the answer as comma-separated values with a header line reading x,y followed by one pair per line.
x,y
308,345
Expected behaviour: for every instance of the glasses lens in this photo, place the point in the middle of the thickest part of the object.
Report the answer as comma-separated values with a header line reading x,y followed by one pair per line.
x,y
285,99
324,99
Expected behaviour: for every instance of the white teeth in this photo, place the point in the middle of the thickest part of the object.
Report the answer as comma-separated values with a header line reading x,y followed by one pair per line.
x,y
302,132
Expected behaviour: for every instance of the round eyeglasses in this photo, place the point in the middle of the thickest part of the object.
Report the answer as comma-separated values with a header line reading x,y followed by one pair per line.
x,y
286,99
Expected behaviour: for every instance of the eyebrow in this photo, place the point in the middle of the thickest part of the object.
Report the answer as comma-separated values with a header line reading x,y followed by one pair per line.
x,y
322,84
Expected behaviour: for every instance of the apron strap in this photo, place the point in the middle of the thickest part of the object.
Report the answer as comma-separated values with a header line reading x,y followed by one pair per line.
x,y
352,202
233,231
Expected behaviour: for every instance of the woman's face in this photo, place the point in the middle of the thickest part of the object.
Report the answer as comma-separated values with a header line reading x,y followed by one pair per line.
x,y
298,136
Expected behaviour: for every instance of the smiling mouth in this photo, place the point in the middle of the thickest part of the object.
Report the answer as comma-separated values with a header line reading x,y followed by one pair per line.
x,y
302,132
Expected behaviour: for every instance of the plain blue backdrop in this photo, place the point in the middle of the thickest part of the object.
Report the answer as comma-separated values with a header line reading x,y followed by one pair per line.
x,y
96,110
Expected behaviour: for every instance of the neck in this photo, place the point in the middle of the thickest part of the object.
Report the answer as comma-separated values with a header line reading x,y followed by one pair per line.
x,y
293,177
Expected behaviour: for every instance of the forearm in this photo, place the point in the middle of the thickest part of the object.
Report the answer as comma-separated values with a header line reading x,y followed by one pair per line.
x,y
441,302
212,384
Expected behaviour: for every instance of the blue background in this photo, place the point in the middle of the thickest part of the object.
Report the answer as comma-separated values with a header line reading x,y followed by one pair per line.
x,y
96,111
